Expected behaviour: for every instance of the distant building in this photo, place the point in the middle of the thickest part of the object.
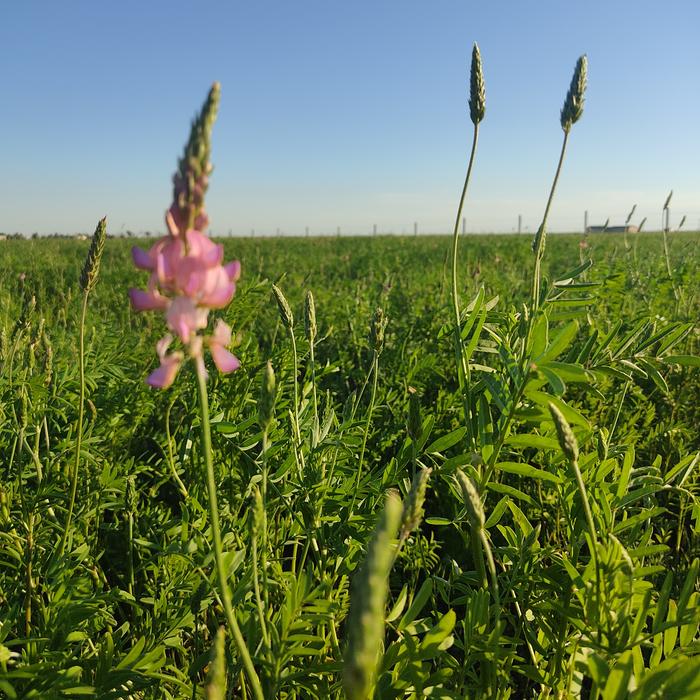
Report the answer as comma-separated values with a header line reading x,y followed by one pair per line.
x,y
612,229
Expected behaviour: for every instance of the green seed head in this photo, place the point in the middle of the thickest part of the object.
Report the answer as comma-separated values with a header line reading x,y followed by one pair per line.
x,y
131,496
565,435
414,422
23,408
258,521
630,215
3,344
91,268
413,507
367,605
376,335
573,104
216,677
472,500
641,223
477,93
4,506
268,393
48,358
680,226
668,200
283,306
310,317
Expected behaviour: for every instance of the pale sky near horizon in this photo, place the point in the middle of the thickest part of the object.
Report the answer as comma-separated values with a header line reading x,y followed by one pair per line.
x,y
346,114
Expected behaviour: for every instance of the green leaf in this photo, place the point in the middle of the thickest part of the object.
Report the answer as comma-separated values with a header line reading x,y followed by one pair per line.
x,y
560,342
497,513
616,687
555,382
683,360
527,470
638,519
519,517
446,441
567,371
539,442
432,643
570,276
399,605
422,597
511,491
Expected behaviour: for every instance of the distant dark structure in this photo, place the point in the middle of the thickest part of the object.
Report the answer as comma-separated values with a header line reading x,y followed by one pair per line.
x,y
612,229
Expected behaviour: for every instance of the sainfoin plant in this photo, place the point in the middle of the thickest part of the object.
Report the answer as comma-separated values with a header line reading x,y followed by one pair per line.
x,y
417,494
187,281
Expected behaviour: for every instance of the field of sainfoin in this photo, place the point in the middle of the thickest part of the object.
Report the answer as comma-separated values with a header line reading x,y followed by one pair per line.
x,y
384,467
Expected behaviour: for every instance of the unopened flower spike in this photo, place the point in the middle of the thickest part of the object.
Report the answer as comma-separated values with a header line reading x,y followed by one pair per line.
x,y
573,104
477,96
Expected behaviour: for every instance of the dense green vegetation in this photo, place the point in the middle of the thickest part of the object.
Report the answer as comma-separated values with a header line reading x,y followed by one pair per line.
x,y
130,608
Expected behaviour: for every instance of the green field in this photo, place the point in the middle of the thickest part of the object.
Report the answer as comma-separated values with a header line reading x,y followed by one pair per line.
x,y
560,591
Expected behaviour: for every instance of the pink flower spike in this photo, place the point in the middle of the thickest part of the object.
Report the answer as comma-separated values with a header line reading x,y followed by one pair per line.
x,y
147,301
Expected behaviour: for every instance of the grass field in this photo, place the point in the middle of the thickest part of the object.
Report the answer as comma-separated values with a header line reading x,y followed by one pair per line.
x,y
533,568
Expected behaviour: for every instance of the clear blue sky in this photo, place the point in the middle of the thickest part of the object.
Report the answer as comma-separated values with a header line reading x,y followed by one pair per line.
x,y
346,113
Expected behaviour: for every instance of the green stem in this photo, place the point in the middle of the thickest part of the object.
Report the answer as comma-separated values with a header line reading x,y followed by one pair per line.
x,y
667,256
256,589
539,250
463,372
478,556
486,547
370,409
312,360
216,533
591,532
263,562
79,436
131,554
171,458
298,450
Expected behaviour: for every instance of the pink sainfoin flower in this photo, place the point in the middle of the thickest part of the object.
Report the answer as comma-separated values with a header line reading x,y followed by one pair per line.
x,y
188,277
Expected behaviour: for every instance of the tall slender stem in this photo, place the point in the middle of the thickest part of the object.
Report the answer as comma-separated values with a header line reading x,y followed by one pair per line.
x,y
216,533
463,372
541,234
591,532
79,436
298,451
370,409
312,360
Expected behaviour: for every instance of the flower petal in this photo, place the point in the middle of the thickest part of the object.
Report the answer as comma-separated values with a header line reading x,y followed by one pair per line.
x,y
184,318
163,376
147,301
142,259
233,270
223,359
